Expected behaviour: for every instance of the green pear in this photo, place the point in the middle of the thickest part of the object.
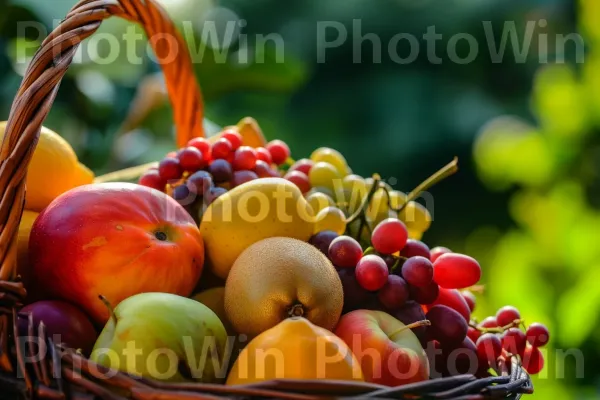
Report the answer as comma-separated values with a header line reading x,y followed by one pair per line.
x,y
165,337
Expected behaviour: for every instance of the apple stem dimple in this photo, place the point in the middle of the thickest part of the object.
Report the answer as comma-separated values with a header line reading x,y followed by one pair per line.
x,y
297,310
414,325
111,310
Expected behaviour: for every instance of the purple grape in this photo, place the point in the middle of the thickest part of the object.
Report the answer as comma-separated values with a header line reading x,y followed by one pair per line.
x,y
322,240
355,296
418,271
183,195
415,248
394,293
221,171
461,359
447,326
425,295
413,312
212,194
198,180
241,177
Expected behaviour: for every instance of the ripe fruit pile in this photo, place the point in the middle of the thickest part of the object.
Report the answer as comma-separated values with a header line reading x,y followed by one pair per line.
x,y
344,266
406,279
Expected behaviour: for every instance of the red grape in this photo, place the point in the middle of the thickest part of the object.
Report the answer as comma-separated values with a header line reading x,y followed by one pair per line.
x,y
425,295
456,271
322,240
197,182
152,179
394,293
436,252
241,177
533,360
345,252
447,326
264,155
203,145
418,271
489,322
453,299
389,236
299,179
264,170
233,137
355,296
221,149
473,333
470,299
279,150
303,165
514,341
506,315
372,272
221,171
170,169
414,248
191,159
489,348
244,158
537,334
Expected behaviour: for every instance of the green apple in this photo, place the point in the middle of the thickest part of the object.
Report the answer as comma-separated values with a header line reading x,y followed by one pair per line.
x,y
165,337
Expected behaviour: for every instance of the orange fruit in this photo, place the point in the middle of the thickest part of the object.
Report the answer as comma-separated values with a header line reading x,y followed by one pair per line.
x,y
295,349
23,267
53,170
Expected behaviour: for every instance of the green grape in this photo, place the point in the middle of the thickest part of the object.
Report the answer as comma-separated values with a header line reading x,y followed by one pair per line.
x,y
321,189
352,182
331,219
324,174
416,217
319,201
333,157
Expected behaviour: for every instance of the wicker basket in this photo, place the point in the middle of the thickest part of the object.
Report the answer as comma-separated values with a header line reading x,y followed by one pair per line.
x,y
66,374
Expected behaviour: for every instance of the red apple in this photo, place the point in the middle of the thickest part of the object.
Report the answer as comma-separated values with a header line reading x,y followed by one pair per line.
x,y
64,323
388,351
115,240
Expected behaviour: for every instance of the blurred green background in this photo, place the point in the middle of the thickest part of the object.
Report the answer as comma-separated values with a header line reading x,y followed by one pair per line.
x,y
526,200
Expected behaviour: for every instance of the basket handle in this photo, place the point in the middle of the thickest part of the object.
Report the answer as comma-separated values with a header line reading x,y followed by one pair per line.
x,y
40,85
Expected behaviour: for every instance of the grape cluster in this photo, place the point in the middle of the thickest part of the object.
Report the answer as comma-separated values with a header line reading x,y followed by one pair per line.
x,y
202,171
406,279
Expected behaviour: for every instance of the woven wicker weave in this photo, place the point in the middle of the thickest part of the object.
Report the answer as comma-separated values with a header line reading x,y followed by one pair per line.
x,y
64,373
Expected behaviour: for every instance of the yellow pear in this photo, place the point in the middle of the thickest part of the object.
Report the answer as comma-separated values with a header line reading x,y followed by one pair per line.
x,y
256,210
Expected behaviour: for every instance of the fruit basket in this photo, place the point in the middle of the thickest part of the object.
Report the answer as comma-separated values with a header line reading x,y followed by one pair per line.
x,y
393,285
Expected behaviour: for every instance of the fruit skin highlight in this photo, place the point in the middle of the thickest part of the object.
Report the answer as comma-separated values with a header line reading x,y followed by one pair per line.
x,y
253,211
162,323
281,277
295,349
115,240
389,352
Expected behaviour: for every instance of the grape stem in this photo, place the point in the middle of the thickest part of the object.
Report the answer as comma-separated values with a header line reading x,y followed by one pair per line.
x,y
368,251
446,171
110,308
414,325
500,329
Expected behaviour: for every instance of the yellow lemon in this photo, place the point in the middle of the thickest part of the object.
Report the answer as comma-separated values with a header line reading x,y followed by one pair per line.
x,y
53,170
